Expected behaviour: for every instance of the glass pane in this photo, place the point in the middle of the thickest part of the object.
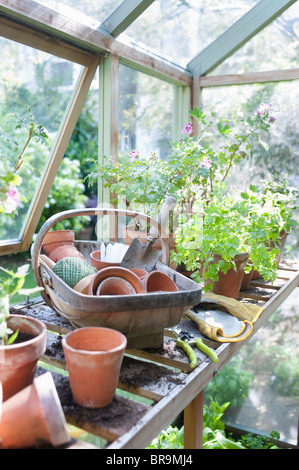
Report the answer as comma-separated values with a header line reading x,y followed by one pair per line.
x,y
281,160
179,30
271,356
44,83
145,113
274,48
89,12
270,362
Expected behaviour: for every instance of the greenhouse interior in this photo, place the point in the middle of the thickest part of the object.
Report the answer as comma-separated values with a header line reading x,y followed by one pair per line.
x,y
160,136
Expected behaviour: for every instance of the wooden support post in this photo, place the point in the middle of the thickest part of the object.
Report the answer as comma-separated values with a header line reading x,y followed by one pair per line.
x,y
193,423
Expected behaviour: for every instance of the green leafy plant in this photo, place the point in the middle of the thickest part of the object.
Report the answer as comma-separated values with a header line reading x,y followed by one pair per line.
x,y
230,385
256,441
227,226
214,436
11,283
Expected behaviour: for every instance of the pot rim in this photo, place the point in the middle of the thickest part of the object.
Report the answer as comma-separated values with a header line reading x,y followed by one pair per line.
x,y
36,338
95,352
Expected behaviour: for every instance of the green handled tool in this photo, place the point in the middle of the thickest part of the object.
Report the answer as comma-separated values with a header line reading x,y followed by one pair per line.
x,y
186,340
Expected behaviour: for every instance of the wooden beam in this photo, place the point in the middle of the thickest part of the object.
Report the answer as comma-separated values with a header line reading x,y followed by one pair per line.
x,y
43,19
58,150
43,42
124,15
254,77
240,32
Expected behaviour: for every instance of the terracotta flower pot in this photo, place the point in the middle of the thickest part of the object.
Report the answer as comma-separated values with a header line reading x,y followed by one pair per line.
x,y
65,251
83,285
122,273
18,361
229,283
158,281
56,238
97,263
115,286
33,417
246,279
94,356
139,272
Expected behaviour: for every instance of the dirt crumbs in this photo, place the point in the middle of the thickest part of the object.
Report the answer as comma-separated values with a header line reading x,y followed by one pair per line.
x,y
115,419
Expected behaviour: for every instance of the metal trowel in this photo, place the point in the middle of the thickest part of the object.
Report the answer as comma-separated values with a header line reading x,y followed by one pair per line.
x,y
143,255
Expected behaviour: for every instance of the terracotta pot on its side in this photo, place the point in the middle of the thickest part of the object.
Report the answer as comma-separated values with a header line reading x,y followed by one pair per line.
x,y
94,356
158,281
65,251
56,238
18,361
33,417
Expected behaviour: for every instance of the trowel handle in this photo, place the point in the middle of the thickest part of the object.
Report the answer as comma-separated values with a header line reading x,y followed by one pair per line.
x,y
163,216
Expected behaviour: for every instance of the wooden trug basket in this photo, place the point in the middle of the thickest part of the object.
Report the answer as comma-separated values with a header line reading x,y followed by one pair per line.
x,y
141,317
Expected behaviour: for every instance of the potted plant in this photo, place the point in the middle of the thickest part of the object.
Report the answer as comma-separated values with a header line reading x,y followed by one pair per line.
x,y
232,230
22,339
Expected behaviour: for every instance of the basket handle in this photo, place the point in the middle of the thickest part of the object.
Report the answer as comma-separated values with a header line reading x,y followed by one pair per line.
x,y
36,247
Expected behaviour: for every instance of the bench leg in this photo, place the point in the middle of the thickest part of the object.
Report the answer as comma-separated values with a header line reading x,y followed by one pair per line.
x,y
193,423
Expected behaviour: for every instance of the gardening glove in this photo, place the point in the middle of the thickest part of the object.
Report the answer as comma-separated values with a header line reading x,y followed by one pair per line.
x,y
249,312
227,321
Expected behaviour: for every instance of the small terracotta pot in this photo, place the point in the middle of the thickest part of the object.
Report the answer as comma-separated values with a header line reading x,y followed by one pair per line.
x,y
246,279
95,260
115,286
65,251
56,238
94,356
122,273
158,281
18,361
83,285
33,417
139,272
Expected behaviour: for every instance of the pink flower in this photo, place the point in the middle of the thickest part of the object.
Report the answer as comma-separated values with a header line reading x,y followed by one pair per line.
x,y
187,129
206,163
266,110
134,155
12,200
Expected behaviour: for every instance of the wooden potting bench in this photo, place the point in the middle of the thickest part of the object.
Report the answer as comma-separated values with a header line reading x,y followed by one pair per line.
x,y
162,376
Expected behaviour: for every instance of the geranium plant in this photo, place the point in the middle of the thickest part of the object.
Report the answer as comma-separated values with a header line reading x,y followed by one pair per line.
x,y
229,225
194,168
138,184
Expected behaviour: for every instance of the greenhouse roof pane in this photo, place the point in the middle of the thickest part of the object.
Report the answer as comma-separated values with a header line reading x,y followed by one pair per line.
x,y
89,12
178,30
275,47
